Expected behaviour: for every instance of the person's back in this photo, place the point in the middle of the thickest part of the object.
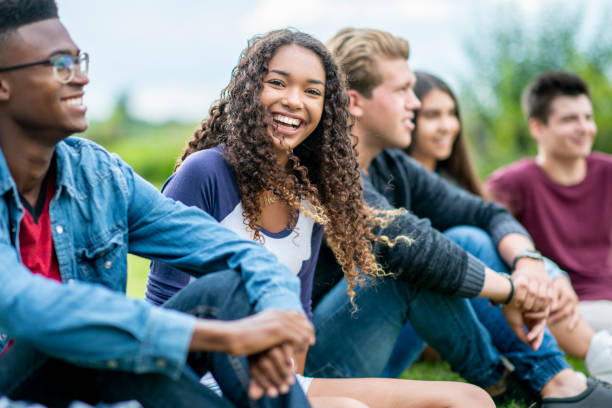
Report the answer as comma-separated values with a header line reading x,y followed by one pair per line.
x,y
563,196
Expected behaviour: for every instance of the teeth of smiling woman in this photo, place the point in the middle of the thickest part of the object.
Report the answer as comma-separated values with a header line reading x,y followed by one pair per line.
x,y
287,121
74,101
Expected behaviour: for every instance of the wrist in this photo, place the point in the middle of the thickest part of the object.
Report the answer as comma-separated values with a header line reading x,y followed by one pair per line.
x,y
527,256
212,335
509,296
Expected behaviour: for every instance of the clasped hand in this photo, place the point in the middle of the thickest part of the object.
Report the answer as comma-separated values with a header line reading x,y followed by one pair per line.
x,y
270,339
531,304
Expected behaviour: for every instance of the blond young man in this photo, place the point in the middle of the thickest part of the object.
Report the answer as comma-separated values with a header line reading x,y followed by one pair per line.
x,y
432,274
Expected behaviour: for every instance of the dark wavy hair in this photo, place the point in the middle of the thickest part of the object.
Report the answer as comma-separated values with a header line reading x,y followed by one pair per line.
x,y
323,169
539,95
458,165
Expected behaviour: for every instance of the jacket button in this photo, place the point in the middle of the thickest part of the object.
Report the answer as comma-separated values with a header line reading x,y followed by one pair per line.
x,y
59,229
112,364
108,264
161,363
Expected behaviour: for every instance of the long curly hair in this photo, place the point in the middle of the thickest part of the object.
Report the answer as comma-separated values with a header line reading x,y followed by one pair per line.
x,y
323,170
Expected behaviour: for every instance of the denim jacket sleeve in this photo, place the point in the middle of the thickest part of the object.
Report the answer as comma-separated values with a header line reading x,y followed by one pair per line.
x,y
191,240
88,324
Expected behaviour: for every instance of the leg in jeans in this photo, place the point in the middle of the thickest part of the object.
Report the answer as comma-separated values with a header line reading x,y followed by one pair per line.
x,y
54,383
409,344
201,298
535,367
217,295
406,351
358,343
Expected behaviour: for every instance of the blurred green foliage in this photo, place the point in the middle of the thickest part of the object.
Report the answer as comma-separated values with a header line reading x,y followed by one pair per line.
x,y
507,51
151,149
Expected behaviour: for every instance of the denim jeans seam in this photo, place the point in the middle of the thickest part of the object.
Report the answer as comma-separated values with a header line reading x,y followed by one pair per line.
x,y
242,376
204,310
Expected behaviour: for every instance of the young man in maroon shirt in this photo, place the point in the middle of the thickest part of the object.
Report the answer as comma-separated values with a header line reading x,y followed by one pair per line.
x,y
563,197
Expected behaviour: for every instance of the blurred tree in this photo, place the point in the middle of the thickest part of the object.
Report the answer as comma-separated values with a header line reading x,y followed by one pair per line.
x,y
510,49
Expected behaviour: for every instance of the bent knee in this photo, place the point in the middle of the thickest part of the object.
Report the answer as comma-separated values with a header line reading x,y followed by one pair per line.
x,y
472,396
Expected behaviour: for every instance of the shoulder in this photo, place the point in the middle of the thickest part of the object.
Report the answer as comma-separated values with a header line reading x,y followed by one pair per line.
x,y
397,163
209,161
515,171
205,179
85,150
396,156
204,167
601,159
87,160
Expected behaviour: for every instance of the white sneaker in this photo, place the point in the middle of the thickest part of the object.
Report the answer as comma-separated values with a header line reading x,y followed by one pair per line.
x,y
599,357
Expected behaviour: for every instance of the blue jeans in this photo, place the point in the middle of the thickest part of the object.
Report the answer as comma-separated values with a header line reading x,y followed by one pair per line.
x,y
27,374
358,343
535,367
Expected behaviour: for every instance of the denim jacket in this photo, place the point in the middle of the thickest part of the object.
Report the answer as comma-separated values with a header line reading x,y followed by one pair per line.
x,y
100,211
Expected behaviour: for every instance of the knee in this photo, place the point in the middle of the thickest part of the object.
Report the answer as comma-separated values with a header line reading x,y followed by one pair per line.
x,y
466,233
213,295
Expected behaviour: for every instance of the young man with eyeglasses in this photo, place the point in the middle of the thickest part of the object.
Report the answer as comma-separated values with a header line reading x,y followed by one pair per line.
x,y
68,212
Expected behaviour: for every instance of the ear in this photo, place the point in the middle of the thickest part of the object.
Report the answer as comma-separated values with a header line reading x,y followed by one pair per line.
x,y
5,90
535,128
356,103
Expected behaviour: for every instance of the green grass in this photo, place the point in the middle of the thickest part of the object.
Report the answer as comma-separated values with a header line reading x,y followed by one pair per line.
x,y
138,269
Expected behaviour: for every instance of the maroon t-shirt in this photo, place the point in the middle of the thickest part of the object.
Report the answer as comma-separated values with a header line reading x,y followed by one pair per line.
x,y
572,225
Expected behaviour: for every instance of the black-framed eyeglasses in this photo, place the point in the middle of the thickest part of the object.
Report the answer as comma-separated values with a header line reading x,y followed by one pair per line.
x,y
63,66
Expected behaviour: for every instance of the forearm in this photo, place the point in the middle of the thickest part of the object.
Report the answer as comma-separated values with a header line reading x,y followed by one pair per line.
x,y
496,287
511,244
91,326
212,335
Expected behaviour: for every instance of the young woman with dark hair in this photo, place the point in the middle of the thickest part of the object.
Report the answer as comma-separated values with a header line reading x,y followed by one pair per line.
x,y
438,142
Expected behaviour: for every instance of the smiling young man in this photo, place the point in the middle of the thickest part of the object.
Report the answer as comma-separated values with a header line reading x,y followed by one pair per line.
x,y
432,273
563,196
69,210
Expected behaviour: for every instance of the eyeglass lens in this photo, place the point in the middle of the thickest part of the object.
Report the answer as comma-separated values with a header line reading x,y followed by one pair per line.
x,y
64,66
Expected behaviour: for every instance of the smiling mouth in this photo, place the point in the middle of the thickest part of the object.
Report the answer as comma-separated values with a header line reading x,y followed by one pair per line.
x,y
285,122
77,101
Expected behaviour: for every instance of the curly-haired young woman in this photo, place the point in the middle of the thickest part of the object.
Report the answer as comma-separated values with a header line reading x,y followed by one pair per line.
x,y
275,162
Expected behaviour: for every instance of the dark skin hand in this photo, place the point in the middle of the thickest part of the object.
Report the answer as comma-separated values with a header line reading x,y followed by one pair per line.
x,y
269,338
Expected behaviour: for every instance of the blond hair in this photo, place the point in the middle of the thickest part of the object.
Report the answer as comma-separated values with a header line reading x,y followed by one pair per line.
x,y
357,51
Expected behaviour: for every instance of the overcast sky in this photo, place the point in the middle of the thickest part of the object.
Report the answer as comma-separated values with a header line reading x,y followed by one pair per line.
x,y
174,57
